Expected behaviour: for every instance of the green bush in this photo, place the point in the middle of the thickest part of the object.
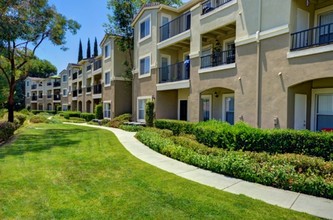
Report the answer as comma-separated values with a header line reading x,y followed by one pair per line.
x,y
99,111
25,112
298,173
77,120
131,128
35,112
3,112
176,126
7,129
150,114
58,108
38,119
69,114
87,116
120,120
104,122
20,117
243,137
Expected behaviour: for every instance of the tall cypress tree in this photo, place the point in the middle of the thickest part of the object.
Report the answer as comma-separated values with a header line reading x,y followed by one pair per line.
x,y
80,56
95,48
88,49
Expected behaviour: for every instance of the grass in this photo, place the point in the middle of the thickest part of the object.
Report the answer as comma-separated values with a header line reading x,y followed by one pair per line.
x,y
55,171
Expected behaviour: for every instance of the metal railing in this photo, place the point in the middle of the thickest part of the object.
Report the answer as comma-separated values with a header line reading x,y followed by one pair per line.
x,y
175,72
97,64
49,84
208,6
56,84
312,37
88,68
218,59
34,86
56,97
34,98
98,89
176,26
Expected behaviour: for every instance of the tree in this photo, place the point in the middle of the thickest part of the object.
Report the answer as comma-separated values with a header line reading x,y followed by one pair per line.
x,y
80,56
24,25
95,48
88,49
120,25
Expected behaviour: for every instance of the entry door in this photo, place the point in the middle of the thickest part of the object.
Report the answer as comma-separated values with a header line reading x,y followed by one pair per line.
x,y
165,61
165,28
300,112
183,110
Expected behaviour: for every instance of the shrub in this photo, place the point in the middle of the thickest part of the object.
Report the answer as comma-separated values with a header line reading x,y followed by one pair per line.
x,y
299,173
69,114
150,114
176,126
120,120
58,108
131,128
87,116
20,117
104,121
99,111
3,112
38,119
6,130
25,112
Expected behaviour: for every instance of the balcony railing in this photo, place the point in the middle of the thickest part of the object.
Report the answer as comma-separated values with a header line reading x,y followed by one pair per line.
x,y
312,37
74,93
56,84
88,89
56,97
97,64
98,89
34,86
175,72
34,98
49,84
88,68
75,76
209,5
218,59
175,27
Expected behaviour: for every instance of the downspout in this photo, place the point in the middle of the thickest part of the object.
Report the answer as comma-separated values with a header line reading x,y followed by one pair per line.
x,y
259,76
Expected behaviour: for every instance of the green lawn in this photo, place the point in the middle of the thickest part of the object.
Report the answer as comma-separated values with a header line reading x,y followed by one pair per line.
x,y
69,172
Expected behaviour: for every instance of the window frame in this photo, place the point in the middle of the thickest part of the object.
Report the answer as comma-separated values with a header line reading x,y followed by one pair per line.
x,y
107,48
104,103
209,97
148,35
66,78
140,98
314,102
109,83
149,72
224,107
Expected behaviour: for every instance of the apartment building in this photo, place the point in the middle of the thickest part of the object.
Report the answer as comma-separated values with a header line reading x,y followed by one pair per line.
x,y
42,93
83,85
265,62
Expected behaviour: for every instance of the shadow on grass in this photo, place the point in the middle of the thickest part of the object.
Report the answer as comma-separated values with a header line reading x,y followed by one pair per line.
x,y
44,140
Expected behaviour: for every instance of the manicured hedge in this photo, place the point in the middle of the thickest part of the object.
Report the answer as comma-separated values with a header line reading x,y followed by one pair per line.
x,y
6,130
99,111
120,120
244,137
38,119
87,116
35,112
69,114
176,126
131,128
287,171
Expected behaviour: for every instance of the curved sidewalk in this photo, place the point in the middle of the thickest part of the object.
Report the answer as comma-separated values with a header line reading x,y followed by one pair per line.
x,y
317,206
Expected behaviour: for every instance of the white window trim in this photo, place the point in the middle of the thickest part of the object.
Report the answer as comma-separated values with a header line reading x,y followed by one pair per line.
x,y
320,12
62,107
166,56
66,93
226,41
137,106
109,84
178,113
149,73
149,35
108,44
224,96
166,16
107,102
313,104
210,104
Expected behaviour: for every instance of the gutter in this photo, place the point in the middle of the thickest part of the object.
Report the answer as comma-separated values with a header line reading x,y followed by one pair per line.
x,y
259,75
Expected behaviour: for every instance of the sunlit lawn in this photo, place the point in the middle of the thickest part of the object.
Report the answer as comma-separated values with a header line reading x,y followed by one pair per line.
x,y
71,172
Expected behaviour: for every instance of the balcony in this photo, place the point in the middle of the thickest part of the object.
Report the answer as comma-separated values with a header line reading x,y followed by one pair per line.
x,y
313,37
218,59
40,96
209,5
74,93
175,72
49,96
80,72
175,27
34,86
89,89
34,98
88,68
75,76
56,97
97,65
49,84
56,84
80,91
98,89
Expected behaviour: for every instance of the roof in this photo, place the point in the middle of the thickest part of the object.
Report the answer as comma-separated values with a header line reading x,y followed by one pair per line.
x,y
156,5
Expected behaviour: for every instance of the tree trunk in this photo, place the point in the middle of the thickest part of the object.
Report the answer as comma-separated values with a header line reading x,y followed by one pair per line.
x,y
11,102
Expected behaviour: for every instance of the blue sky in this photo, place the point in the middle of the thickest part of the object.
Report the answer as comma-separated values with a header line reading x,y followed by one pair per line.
x,y
91,14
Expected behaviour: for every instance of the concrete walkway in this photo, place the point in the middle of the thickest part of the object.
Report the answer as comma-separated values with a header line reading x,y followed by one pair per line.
x,y
317,206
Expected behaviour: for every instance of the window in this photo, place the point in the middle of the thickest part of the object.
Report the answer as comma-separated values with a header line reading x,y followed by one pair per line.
x,y
107,79
228,108
142,108
206,107
28,94
324,111
69,73
145,28
64,92
64,78
145,65
64,107
69,89
107,50
28,83
107,110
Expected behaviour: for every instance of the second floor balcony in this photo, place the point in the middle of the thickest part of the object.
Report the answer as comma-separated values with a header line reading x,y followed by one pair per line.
x,y
80,91
312,37
97,64
211,5
175,72
74,93
175,27
75,76
34,98
89,89
56,84
98,89
57,97
218,58
34,86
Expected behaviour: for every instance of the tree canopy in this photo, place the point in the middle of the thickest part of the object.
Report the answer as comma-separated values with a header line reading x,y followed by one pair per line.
x,y
24,25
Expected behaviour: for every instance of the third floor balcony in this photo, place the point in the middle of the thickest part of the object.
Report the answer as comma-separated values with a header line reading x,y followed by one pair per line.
x,y
175,27
98,89
218,58
97,64
211,5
